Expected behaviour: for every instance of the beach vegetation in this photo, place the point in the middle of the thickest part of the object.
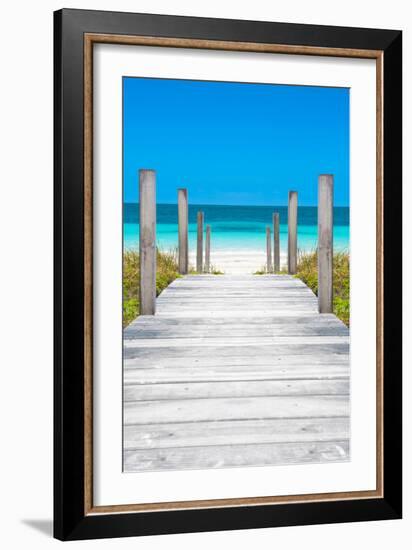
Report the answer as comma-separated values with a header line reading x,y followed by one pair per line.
x,y
307,271
264,271
167,272
213,270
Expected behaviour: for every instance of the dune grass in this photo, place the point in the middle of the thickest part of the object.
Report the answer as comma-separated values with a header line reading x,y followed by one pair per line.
x,y
167,271
213,270
263,271
307,271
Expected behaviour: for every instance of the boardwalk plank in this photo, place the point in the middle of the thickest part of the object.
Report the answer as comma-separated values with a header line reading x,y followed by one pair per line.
x,y
215,353
187,330
285,363
157,436
188,458
219,373
253,388
159,342
234,321
238,408
235,371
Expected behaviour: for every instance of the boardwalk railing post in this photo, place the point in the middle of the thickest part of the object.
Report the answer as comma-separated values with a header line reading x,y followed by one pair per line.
x,y
182,214
199,251
147,241
268,251
207,250
292,232
276,243
325,243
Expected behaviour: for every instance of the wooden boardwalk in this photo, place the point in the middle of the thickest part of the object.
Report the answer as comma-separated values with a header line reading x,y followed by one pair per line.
x,y
235,370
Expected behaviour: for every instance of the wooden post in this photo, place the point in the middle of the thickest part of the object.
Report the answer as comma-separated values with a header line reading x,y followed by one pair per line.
x,y
199,252
207,250
292,232
147,241
325,243
182,214
276,243
268,251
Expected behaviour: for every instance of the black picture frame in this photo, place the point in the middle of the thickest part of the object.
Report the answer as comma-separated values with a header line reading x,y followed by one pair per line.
x,y
70,520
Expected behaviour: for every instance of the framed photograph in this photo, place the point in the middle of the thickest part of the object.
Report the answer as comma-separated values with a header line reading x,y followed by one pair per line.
x,y
227,274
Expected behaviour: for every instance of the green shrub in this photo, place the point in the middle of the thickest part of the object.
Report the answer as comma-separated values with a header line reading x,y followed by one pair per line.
x,y
307,271
167,272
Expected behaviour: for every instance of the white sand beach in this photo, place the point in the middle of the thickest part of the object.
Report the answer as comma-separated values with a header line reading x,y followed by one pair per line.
x,y
237,261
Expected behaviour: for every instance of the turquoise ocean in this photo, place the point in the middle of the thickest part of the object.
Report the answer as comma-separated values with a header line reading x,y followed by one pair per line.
x,y
236,227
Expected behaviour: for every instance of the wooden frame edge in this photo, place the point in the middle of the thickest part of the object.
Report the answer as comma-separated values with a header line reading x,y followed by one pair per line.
x,y
205,44
89,40
88,276
379,275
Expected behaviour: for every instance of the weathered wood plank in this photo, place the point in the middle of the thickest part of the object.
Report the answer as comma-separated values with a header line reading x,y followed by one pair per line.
x,y
222,282
218,352
235,301
187,330
232,371
254,388
246,432
224,287
181,410
219,296
147,241
276,242
303,294
221,291
226,281
245,308
185,313
270,290
199,248
292,231
250,360
182,210
186,372
275,320
239,341
186,458
325,243
240,277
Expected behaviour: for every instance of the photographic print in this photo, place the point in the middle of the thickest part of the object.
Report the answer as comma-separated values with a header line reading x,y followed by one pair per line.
x,y
227,274
236,274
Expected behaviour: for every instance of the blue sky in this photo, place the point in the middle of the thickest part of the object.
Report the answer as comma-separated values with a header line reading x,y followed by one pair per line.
x,y
235,143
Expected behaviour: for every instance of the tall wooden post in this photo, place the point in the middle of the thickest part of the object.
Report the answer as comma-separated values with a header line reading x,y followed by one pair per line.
x,y
268,251
207,250
199,251
325,243
147,241
292,232
276,243
182,215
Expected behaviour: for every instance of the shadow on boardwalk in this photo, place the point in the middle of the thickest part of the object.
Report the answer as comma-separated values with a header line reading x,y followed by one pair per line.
x,y
235,370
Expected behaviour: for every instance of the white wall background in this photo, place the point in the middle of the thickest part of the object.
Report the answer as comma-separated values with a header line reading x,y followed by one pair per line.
x,y
26,142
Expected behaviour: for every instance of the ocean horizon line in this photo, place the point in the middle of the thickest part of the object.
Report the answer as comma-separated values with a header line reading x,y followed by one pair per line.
x,y
239,205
